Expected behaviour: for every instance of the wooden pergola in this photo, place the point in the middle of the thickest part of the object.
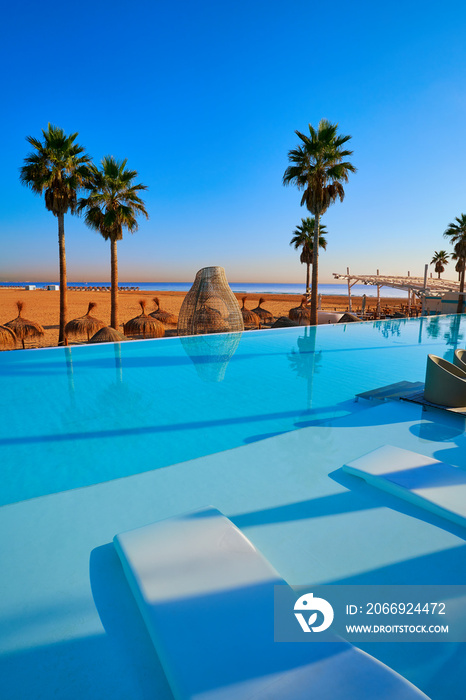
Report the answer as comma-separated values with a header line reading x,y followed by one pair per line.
x,y
419,287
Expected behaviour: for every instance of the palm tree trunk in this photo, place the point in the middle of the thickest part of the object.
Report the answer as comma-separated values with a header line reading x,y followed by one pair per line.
x,y
459,310
308,267
63,288
315,270
114,284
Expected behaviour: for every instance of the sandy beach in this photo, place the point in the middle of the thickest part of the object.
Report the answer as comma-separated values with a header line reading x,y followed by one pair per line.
x,y
42,306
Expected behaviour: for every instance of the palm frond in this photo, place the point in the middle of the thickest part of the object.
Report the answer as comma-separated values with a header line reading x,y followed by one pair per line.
x,y
317,166
111,191
56,168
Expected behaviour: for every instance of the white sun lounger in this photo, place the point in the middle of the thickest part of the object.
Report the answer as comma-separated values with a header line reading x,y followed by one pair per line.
x,y
426,482
207,598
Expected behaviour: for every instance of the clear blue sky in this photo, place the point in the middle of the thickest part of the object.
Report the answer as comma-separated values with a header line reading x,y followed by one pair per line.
x,y
203,98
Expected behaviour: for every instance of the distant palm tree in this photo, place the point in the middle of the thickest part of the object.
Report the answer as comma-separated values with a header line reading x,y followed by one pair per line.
x,y
112,204
317,167
440,259
456,233
303,237
460,262
58,167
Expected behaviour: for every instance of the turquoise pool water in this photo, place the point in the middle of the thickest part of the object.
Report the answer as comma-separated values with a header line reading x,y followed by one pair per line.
x,y
77,416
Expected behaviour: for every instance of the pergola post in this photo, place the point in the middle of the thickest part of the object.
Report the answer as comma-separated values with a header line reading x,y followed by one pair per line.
x,y
423,311
349,289
409,300
378,297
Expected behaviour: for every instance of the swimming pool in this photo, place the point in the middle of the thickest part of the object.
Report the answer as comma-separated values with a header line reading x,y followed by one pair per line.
x,y
76,632
78,416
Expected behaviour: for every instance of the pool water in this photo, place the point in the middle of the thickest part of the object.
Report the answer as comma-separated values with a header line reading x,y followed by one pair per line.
x,y
77,416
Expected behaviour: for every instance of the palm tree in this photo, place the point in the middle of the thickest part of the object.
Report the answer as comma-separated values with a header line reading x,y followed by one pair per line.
x,y
317,167
57,167
440,259
456,233
112,204
460,262
303,237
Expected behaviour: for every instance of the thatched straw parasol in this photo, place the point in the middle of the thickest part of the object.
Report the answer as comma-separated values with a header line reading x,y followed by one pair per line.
x,y
284,322
250,319
264,315
107,335
84,324
22,328
164,317
301,314
144,325
7,337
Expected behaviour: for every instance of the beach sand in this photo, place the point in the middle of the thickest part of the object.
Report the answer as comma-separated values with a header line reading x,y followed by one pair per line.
x,y
42,306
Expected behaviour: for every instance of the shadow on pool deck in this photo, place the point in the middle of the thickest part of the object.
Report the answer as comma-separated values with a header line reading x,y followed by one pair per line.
x,y
120,663
360,496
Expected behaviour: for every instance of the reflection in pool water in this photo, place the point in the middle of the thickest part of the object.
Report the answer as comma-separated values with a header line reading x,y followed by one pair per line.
x,y
76,416
211,353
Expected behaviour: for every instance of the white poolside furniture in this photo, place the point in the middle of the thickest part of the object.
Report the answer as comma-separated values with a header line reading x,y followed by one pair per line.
x,y
207,598
445,383
328,317
459,359
434,486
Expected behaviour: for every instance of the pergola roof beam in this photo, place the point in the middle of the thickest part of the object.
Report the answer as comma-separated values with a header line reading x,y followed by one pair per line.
x,y
413,284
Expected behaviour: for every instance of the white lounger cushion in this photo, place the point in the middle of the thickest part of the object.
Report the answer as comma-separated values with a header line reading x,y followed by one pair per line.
x,y
430,484
207,598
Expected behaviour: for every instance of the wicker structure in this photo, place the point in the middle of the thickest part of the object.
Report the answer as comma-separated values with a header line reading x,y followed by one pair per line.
x,y
84,325
264,315
211,355
23,328
210,306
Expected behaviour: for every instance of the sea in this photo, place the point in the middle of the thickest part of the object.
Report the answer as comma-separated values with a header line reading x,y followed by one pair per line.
x,y
246,287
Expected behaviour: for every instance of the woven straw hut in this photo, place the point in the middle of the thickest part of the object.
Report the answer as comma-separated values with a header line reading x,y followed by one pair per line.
x,y
107,335
250,319
22,328
86,324
301,314
144,325
284,322
164,317
210,306
264,315
7,337
211,354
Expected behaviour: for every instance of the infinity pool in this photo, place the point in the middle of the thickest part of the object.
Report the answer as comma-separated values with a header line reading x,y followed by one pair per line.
x,y
86,415
78,416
